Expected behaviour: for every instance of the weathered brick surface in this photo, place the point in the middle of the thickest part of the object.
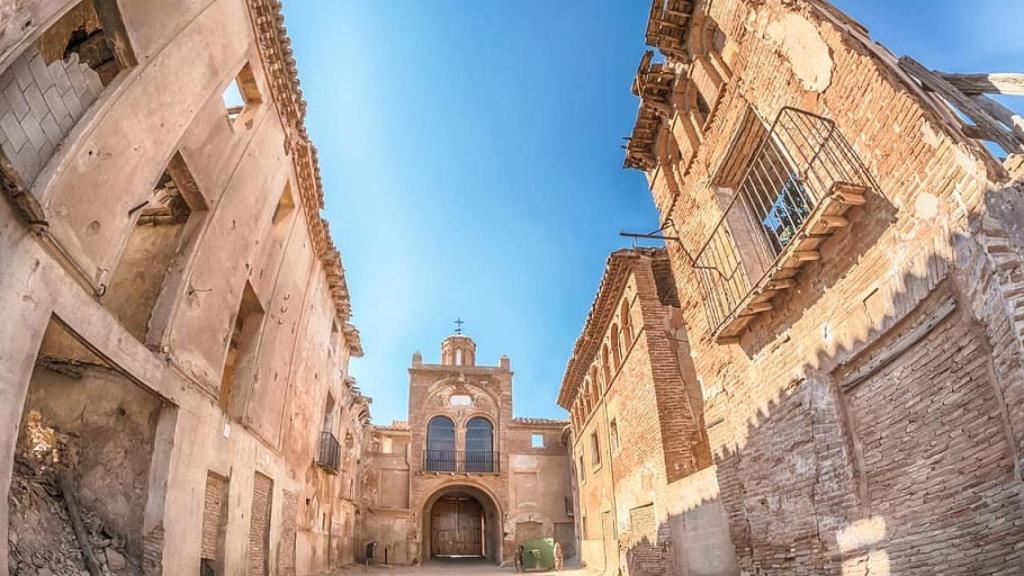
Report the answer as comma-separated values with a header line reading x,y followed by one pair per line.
x,y
645,418
215,502
916,469
259,526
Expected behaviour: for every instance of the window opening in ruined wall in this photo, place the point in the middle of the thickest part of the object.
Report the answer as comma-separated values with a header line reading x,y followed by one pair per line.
x,y
51,84
165,226
537,440
595,450
784,190
241,98
240,360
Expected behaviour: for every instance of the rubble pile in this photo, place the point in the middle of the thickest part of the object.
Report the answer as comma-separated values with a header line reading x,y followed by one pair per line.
x,y
42,541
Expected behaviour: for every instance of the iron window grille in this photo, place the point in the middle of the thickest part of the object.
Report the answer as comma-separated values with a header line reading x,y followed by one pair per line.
x,y
794,192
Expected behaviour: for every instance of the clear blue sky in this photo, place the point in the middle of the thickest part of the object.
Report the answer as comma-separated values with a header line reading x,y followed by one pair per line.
x,y
472,163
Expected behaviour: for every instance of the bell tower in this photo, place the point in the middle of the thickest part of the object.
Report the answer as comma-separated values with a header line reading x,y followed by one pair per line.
x,y
458,350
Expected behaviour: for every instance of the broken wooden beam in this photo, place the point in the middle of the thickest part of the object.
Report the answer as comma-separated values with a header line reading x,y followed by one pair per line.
x,y
81,534
936,83
1011,119
973,84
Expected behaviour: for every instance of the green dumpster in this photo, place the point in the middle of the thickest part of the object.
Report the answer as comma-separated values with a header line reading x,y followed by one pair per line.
x,y
539,554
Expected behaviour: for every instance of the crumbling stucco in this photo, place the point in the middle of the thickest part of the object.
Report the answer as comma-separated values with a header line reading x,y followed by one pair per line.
x,y
799,40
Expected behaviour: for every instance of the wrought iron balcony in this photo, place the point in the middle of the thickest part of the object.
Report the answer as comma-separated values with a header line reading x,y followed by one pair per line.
x,y
462,461
329,455
793,194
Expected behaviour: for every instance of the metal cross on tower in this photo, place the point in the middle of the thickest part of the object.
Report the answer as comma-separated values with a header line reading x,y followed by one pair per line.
x,y
458,325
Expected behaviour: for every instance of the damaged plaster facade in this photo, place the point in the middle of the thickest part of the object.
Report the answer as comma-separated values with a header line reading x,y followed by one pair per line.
x,y
174,313
463,477
847,259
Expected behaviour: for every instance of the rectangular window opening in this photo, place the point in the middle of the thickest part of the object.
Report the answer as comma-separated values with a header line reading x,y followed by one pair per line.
x,y
537,440
595,450
165,226
241,356
241,97
282,213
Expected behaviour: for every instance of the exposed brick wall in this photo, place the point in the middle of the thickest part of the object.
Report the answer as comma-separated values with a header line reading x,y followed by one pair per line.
x,y
214,517
286,546
259,525
936,457
41,104
913,470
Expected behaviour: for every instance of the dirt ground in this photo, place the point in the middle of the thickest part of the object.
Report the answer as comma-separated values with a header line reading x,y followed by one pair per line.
x,y
461,567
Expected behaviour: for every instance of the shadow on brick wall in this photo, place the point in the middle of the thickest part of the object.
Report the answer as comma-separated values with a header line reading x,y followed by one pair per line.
x,y
892,453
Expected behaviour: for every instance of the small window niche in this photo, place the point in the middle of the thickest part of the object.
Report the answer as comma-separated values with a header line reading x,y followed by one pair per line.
x,y
240,362
282,214
537,440
145,279
241,97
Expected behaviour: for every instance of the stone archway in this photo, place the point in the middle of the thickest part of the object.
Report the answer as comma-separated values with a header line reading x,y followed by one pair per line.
x,y
461,521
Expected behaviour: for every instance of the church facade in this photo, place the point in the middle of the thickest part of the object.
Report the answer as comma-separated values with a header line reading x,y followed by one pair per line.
x,y
462,478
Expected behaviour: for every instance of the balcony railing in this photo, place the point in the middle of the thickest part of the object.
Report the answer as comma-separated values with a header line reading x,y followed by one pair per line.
x,y
329,455
793,194
462,461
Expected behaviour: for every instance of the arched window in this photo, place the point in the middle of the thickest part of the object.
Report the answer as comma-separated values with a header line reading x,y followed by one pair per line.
x,y
616,347
458,357
479,445
440,456
627,324
604,366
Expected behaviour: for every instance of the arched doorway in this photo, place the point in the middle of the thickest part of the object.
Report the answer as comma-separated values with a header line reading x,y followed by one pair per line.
x,y
461,522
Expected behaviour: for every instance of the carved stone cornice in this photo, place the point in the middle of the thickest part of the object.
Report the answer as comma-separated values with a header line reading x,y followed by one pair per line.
x,y
283,78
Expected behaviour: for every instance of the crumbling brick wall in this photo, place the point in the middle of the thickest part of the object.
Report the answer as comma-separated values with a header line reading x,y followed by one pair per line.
x,y
815,477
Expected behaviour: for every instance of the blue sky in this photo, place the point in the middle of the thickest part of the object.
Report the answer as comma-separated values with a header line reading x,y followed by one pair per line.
x,y
472,163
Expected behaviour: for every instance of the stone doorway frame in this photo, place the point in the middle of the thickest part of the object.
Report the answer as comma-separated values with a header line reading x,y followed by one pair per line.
x,y
493,520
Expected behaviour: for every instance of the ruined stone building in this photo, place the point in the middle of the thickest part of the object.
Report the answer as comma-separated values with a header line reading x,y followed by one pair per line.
x,y
844,231
463,477
638,440
174,316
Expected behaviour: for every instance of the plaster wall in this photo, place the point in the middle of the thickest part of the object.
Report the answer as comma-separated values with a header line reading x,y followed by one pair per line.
x,y
170,104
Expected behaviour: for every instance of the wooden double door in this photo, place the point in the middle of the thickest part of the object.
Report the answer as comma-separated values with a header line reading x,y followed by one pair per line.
x,y
457,527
